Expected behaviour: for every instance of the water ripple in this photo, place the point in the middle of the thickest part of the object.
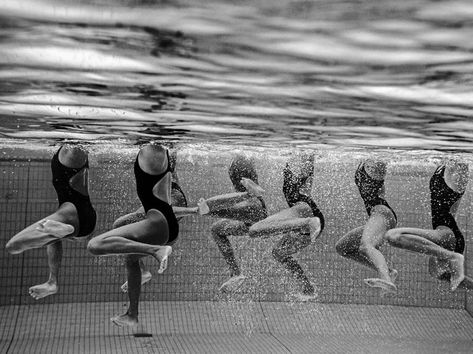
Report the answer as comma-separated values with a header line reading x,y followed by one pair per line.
x,y
365,74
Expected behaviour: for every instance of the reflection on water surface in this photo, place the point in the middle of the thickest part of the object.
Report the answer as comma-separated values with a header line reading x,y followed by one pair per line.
x,y
309,73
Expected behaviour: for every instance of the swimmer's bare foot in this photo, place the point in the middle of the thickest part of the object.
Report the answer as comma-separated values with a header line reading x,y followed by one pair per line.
x,y
457,271
393,275
307,294
232,284
314,228
203,207
145,277
385,285
42,290
125,320
55,228
161,255
251,187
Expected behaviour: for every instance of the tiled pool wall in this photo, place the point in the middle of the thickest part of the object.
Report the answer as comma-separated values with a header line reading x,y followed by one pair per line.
x,y
196,268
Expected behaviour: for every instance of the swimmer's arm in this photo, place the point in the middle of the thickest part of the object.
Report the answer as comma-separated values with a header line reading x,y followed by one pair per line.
x,y
184,211
226,200
130,218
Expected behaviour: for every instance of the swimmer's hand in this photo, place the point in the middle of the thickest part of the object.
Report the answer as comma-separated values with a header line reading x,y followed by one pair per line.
x,y
203,207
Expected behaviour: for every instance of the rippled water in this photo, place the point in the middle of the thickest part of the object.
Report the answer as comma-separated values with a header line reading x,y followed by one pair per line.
x,y
374,73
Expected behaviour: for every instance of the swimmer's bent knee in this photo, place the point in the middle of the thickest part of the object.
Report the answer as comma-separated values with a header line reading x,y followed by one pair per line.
x,y
392,235
340,248
217,230
255,231
13,247
344,248
278,255
94,247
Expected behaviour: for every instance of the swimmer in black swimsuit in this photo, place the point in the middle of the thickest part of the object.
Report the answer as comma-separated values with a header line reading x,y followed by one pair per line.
x,y
300,224
179,205
239,211
149,237
362,244
445,243
74,218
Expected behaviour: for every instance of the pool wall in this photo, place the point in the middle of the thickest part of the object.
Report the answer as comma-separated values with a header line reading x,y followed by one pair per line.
x,y
196,269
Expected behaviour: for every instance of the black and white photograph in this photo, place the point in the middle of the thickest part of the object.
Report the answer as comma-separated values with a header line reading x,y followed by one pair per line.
x,y
236,176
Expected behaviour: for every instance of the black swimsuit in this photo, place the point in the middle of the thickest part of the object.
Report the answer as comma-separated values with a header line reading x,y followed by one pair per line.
x,y
144,187
370,189
65,193
291,189
442,197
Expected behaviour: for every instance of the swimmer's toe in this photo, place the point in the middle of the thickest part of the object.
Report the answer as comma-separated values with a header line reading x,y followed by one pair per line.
x,y
162,255
124,321
385,285
42,290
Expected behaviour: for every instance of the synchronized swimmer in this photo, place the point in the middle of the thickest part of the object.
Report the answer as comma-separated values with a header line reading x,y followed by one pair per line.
x,y
179,206
238,210
149,237
300,224
445,242
362,244
74,219
153,228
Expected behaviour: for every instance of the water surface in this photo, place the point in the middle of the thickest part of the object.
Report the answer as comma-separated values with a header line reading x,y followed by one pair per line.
x,y
333,74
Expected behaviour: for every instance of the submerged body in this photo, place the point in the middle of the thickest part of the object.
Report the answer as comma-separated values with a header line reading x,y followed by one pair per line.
x,y
238,211
362,244
148,237
75,217
445,242
300,224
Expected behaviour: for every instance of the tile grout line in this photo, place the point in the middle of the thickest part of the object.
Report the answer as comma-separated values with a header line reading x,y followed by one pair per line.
x,y
22,266
269,330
